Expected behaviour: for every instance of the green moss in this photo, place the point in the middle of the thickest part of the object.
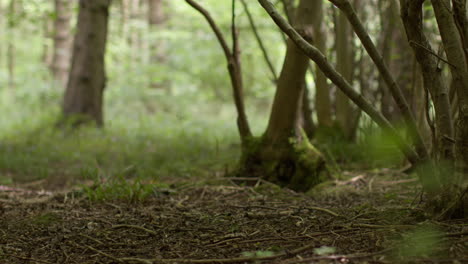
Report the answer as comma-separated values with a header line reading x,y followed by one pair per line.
x,y
251,147
297,165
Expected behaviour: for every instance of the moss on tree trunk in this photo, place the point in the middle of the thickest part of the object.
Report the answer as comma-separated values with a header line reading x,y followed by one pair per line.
x,y
295,164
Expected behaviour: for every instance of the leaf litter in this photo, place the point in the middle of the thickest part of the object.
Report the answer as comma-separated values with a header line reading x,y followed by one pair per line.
x,y
363,220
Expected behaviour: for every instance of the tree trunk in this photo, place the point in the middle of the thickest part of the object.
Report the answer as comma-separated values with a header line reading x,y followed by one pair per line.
x,y
124,17
344,65
62,41
135,33
387,105
47,54
2,17
322,89
411,12
321,61
156,20
454,200
306,112
283,155
84,94
11,51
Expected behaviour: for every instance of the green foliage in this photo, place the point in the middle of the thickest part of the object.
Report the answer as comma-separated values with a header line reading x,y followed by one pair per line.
x,y
259,253
119,188
185,127
335,146
194,63
373,148
423,241
161,144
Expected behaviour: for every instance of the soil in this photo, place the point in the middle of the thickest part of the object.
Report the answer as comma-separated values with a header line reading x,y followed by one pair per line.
x,y
366,219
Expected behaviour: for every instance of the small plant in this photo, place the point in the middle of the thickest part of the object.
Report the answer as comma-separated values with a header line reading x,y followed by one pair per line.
x,y
119,189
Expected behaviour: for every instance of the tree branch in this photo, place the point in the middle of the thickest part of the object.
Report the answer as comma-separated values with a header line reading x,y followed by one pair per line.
x,y
234,68
260,42
314,54
397,94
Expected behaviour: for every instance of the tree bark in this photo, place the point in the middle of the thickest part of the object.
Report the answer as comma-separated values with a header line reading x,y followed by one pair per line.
x,y
283,155
455,199
460,14
83,100
306,113
393,86
322,89
411,12
314,54
388,26
62,41
344,62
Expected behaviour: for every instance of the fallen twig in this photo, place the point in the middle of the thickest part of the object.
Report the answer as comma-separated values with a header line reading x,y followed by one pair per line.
x,y
136,227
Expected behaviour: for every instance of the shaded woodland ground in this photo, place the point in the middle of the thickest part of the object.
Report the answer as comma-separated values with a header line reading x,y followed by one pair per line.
x,y
372,218
132,142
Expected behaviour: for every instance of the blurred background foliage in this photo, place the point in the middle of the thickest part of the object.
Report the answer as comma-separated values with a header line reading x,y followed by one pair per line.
x,y
186,122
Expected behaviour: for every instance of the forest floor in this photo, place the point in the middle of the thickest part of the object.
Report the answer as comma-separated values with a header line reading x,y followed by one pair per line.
x,y
374,217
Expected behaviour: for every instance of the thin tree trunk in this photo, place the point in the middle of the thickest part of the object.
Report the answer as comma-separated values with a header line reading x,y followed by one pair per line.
x,y
453,40
401,66
47,51
2,16
306,110
156,21
259,40
276,146
304,114
282,122
322,89
344,62
124,17
134,38
155,12
460,14
388,29
322,62
62,41
396,91
432,76
234,68
83,101
11,50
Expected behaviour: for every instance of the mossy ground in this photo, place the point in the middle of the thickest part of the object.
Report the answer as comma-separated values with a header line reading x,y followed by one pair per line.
x,y
297,165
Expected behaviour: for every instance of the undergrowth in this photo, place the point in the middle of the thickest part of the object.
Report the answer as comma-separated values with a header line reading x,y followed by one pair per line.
x,y
160,136
148,135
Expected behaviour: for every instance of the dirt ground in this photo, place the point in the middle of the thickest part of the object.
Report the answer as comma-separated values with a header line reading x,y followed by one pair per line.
x,y
363,220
